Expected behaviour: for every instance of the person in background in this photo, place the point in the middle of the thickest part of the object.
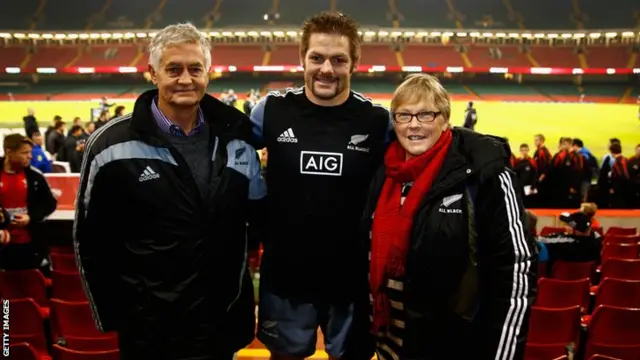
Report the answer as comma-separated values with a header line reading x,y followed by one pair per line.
x,y
73,149
590,209
56,138
30,123
90,128
543,252
525,168
102,120
608,159
118,112
470,116
633,164
51,128
542,157
452,259
181,174
26,196
39,157
590,167
619,179
249,103
578,243
565,176
105,105
5,222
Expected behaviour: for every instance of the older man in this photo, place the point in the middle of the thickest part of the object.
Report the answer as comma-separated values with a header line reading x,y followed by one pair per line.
x,y
165,195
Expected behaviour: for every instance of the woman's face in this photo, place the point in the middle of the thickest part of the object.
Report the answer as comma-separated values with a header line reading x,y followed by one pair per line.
x,y
418,125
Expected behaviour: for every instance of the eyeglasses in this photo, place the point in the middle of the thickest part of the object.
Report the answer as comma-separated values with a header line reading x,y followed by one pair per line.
x,y
423,116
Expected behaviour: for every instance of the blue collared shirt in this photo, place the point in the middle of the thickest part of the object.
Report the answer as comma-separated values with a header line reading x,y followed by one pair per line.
x,y
168,127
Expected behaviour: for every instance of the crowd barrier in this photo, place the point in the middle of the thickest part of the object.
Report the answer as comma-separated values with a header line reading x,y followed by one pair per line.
x,y
67,187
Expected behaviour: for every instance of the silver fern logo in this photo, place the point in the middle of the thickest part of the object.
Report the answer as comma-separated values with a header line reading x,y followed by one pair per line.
x,y
357,140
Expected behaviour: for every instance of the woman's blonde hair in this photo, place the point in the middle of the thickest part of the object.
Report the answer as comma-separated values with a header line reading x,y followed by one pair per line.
x,y
418,87
590,209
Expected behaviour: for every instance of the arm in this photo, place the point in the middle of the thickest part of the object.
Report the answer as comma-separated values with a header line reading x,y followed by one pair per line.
x,y
257,205
94,211
44,203
257,120
507,263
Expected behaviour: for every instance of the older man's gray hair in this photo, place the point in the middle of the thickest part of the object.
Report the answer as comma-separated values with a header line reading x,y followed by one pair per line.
x,y
176,35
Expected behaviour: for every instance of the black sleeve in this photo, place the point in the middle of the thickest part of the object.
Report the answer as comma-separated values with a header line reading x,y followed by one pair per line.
x,y
92,230
508,263
44,203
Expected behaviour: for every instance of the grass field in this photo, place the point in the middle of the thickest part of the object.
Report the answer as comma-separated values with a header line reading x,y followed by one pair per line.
x,y
593,123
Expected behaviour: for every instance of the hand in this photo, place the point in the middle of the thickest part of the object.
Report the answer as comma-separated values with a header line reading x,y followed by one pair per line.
x,y
21,220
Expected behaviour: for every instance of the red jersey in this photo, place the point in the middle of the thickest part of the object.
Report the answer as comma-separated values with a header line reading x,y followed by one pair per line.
x,y
13,197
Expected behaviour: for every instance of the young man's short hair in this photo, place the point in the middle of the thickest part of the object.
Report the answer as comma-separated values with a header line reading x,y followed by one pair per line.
x,y
524,146
13,142
331,22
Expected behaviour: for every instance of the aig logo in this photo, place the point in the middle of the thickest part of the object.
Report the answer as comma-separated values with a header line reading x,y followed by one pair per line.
x,y
320,163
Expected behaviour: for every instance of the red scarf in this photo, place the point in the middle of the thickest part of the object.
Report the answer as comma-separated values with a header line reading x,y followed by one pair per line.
x,y
392,223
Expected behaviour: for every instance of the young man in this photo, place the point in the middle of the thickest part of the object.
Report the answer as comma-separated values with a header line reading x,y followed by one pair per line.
x,y
165,195
634,175
325,142
27,198
542,157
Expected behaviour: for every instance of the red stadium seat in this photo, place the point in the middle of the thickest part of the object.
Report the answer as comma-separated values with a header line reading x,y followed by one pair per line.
x,y
67,286
620,251
555,293
618,230
564,270
61,250
603,357
551,330
618,292
614,332
621,239
61,353
628,269
30,327
24,351
64,262
74,323
22,284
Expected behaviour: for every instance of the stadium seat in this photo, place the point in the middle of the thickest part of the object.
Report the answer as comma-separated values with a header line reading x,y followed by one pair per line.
x,y
22,284
61,353
628,269
614,332
61,250
24,351
564,270
548,230
74,325
621,239
67,286
619,251
618,292
30,328
64,262
555,293
603,357
618,230
551,330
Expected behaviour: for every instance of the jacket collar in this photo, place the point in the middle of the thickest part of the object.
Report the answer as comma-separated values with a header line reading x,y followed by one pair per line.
x,y
143,122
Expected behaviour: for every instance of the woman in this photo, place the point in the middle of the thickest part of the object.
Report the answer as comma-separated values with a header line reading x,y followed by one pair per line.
x,y
452,270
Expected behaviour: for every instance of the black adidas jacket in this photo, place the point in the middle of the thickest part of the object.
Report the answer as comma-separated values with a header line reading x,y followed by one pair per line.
x,y
161,265
470,278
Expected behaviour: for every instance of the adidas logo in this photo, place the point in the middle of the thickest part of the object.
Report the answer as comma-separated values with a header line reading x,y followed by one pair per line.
x,y
148,174
287,137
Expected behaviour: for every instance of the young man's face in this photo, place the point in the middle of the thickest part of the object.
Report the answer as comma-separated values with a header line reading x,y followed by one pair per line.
x,y
524,151
20,157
